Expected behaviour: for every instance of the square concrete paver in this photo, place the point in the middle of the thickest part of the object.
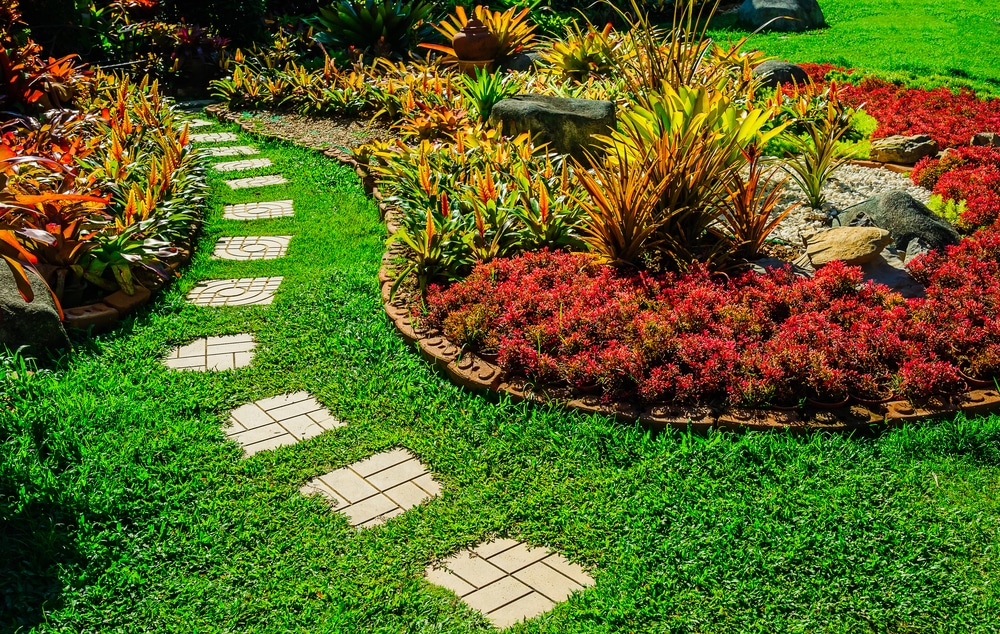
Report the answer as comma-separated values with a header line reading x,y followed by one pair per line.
x,y
377,488
230,150
258,211
209,354
251,247
257,181
279,421
248,164
214,137
245,291
509,581
199,123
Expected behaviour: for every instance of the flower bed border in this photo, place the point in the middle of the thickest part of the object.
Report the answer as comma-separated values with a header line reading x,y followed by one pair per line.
x,y
471,372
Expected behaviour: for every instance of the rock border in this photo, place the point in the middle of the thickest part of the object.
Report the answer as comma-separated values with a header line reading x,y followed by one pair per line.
x,y
476,374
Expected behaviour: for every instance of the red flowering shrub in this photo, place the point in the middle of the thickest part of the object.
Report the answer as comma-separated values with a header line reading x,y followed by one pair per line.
x,y
950,118
969,173
562,319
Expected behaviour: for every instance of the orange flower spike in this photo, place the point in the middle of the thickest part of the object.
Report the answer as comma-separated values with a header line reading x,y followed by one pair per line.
x,y
445,208
491,187
543,202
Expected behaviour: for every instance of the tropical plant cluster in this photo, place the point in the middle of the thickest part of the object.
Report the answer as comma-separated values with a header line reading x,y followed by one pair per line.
x,y
97,198
620,271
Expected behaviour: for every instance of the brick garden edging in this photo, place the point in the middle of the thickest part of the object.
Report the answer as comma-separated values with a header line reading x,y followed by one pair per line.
x,y
471,372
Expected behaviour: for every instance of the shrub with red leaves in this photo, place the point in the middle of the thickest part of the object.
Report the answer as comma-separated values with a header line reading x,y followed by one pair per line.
x,y
968,173
563,319
950,118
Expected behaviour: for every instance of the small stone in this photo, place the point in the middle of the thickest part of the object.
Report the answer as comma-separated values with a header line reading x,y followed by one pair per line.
x,y
773,73
568,124
522,62
904,150
851,245
792,15
991,139
888,269
915,249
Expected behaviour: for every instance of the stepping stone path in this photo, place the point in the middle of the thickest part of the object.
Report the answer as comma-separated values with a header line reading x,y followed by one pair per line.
x,y
257,181
214,137
251,247
506,580
375,489
212,354
279,421
509,581
258,211
237,166
245,291
199,123
230,150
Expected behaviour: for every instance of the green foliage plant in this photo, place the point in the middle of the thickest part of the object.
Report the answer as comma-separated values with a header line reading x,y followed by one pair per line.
x,y
950,209
485,91
384,28
817,158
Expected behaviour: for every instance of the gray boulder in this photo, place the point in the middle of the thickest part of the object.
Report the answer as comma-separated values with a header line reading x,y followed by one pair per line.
x,y
523,62
568,124
34,324
905,218
986,138
905,150
773,73
803,14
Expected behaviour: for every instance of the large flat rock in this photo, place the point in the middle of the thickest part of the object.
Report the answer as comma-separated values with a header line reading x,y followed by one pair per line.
x,y
569,125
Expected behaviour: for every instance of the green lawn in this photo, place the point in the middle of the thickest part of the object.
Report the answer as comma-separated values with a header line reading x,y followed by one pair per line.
x,y
126,510
928,42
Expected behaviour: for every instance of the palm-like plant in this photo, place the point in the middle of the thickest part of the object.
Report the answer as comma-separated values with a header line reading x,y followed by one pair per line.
x,y
747,214
385,27
620,221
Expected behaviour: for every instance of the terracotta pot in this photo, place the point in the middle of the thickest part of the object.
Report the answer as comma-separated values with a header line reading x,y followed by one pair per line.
x,y
873,401
977,384
488,356
475,42
827,404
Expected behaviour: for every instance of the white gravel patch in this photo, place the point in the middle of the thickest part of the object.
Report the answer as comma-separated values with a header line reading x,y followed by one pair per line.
x,y
849,185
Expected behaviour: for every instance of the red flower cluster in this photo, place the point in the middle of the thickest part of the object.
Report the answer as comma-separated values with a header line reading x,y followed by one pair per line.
x,y
950,118
968,173
560,318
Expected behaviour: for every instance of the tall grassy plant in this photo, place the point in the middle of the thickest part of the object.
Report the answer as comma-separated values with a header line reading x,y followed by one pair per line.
x,y
620,219
817,159
748,213
485,91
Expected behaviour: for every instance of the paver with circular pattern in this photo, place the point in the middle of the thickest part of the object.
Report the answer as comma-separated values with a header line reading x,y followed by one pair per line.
x,y
245,291
251,247
259,211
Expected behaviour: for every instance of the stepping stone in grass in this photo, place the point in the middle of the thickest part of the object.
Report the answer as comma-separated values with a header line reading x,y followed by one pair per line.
x,y
509,581
214,137
257,181
251,247
199,123
249,164
371,491
279,421
259,211
229,150
246,291
211,354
